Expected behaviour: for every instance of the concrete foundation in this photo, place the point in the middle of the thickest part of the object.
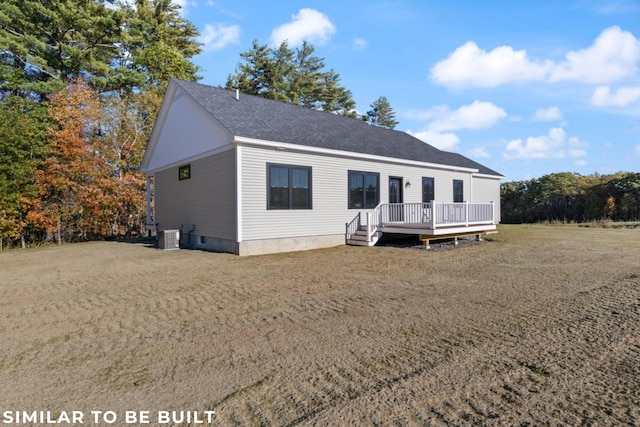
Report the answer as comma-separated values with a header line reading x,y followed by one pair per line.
x,y
290,244
266,246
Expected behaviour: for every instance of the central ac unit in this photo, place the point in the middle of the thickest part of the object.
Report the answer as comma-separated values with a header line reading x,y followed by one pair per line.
x,y
169,239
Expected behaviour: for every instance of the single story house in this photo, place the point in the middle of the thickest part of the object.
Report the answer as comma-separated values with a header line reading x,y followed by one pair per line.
x,y
248,175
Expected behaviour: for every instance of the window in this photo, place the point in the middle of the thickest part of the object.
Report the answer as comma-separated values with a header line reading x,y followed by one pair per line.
x,y
184,172
289,187
428,190
458,191
364,190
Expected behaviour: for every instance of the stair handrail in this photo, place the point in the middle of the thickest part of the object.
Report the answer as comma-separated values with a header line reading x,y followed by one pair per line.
x,y
373,215
353,226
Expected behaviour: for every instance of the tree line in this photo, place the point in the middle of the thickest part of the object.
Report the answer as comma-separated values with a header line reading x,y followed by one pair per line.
x,y
571,197
81,83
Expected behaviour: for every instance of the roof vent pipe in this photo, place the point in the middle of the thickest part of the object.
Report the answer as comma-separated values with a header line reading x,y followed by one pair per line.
x,y
237,94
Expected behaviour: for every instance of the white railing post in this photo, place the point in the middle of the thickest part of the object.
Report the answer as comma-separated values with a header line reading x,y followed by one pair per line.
x,y
434,219
375,214
466,214
493,213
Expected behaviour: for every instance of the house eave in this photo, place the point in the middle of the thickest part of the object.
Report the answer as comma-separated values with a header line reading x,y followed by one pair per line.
x,y
484,175
283,146
187,160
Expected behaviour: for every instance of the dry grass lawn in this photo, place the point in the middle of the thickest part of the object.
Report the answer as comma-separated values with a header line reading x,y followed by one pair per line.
x,y
540,325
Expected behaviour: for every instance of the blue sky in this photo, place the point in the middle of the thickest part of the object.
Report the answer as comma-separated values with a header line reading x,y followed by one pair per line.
x,y
526,88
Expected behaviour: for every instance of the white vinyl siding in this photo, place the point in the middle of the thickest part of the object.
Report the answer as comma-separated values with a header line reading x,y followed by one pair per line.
x,y
206,200
328,206
330,210
487,190
188,132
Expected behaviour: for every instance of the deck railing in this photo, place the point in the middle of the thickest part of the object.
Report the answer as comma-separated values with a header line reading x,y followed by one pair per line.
x,y
431,215
405,213
434,214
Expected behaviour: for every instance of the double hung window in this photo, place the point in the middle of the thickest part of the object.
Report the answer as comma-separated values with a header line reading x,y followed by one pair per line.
x,y
428,189
458,191
364,190
289,187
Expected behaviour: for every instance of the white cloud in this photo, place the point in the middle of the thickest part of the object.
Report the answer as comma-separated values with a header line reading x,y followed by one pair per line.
x,y
638,150
613,56
185,5
441,120
602,96
547,114
576,148
309,24
541,147
216,37
443,141
551,146
359,43
479,152
470,66
478,115
429,114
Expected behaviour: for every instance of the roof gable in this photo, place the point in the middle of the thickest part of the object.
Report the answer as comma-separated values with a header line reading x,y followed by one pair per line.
x,y
264,119
183,130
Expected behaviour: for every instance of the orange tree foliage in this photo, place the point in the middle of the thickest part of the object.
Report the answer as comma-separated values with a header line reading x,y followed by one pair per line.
x,y
23,133
89,185
126,125
69,179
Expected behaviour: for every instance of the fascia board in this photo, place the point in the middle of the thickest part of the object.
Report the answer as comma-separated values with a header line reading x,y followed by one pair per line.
x,y
484,175
158,125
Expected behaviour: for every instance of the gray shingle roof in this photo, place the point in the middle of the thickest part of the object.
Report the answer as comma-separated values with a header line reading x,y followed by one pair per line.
x,y
265,119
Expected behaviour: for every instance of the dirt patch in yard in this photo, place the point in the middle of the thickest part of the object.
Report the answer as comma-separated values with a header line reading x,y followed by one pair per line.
x,y
539,325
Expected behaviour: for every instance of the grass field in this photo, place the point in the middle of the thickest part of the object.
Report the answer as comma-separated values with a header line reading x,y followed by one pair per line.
x,y
540,325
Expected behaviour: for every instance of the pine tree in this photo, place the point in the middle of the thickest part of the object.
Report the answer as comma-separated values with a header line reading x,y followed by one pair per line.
x,y
381,114
158,43
293,76
45,44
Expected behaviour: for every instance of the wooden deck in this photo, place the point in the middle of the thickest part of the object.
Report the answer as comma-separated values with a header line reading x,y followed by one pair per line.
x,y
440,231
435,220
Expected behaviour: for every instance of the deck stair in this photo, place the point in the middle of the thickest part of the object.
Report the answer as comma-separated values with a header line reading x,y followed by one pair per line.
x,y
359,238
